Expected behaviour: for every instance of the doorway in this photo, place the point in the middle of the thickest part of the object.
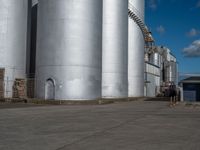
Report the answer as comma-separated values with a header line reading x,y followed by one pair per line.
x,y
49,89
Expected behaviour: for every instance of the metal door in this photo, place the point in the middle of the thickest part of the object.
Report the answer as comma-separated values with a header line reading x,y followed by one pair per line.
x,y
50,90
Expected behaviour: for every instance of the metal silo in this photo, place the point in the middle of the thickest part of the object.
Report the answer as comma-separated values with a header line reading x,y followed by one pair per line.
x,y
155,59
136,51
115,49
13,34
69,49
172,72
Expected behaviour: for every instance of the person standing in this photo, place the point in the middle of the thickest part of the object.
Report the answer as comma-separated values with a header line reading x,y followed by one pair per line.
x,y
172,95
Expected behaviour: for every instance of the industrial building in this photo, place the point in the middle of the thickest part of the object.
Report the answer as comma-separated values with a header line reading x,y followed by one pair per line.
x,y
80,50
190,88
161,69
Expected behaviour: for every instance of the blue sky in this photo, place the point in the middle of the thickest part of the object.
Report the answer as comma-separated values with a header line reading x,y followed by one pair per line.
x,y
176,25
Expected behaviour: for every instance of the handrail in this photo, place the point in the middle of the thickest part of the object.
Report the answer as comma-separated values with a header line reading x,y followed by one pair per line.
x,y
136,16
138,21
132,8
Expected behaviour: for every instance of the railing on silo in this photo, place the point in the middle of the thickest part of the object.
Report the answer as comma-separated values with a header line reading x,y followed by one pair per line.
x,y
138,18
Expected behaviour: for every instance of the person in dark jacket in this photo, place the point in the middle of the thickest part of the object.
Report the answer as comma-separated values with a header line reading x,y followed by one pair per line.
x,y
172,95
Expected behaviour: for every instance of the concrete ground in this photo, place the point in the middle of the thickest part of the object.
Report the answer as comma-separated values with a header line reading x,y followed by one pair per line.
x,y
139,125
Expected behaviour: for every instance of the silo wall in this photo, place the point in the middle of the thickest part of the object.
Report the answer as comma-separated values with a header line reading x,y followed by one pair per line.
x,y
115,49
69,49
13,34
136,51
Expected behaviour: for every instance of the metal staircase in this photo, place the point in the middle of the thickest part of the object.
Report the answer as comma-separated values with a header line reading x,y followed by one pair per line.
x,y
135,15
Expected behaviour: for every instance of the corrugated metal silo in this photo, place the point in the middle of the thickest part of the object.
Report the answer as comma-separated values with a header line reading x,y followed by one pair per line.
x,y
173,72
155,59
136,51
115,49
69,49
13,34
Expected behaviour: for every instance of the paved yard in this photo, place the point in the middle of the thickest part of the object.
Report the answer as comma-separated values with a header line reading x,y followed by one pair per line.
x,y
125,126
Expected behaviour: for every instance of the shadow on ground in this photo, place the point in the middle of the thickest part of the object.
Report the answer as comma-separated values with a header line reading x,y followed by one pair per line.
x,y
159,99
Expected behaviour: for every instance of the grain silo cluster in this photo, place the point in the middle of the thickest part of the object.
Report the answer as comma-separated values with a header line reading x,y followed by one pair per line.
x,y
76,49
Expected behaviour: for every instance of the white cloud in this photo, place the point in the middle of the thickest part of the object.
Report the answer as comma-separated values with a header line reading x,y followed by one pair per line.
x,y
193,32
160,29
193,50
153,4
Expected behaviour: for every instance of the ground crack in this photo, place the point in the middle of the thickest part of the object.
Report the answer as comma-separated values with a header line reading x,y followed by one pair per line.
x,y
97,133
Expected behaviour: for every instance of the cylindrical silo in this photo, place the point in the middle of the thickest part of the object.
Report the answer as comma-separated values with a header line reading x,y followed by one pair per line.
x,y
136,51
115,49
155,59
172,72
69,49
13,34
